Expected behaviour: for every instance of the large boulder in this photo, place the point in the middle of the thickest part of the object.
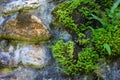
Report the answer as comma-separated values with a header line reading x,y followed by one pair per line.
x,y
25,27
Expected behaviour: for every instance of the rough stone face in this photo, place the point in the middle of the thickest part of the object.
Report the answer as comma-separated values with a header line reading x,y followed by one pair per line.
x,y
19,74
15,6
110,71
32,56
4,59
1,20
25,27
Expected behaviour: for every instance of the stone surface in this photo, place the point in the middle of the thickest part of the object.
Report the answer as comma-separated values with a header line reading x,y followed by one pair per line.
x,y
110,71
20,74
17,5
25,27
1,20
4,59
32,56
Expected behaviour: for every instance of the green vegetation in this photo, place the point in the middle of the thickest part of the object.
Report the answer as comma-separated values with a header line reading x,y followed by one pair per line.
x,y
109,34
66,12
62,13
104,3
101,20
63,52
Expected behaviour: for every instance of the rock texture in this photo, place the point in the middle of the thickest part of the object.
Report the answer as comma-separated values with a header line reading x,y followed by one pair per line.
x,y
110,71
20,74
4,59
32,56
17,5
25,27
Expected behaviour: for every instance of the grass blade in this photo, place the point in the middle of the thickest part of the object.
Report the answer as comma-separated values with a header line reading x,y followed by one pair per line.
x,y
107,47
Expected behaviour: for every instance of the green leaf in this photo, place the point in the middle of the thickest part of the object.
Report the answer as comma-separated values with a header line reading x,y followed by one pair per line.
x,y
107,47
93,30
117,15
115,5
99,19
94,33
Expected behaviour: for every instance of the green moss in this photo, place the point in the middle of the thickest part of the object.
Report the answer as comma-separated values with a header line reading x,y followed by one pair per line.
x,y
87,60
62,13
109,33
105,3
111,37
75,14
79,16
63,53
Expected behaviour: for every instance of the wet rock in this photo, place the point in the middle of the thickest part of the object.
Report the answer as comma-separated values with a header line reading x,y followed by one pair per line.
x,y
25,27
15,6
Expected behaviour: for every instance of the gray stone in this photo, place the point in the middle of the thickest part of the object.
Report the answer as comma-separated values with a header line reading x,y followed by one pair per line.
x,y
15,6
20,74
32,56
109,71
4,59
